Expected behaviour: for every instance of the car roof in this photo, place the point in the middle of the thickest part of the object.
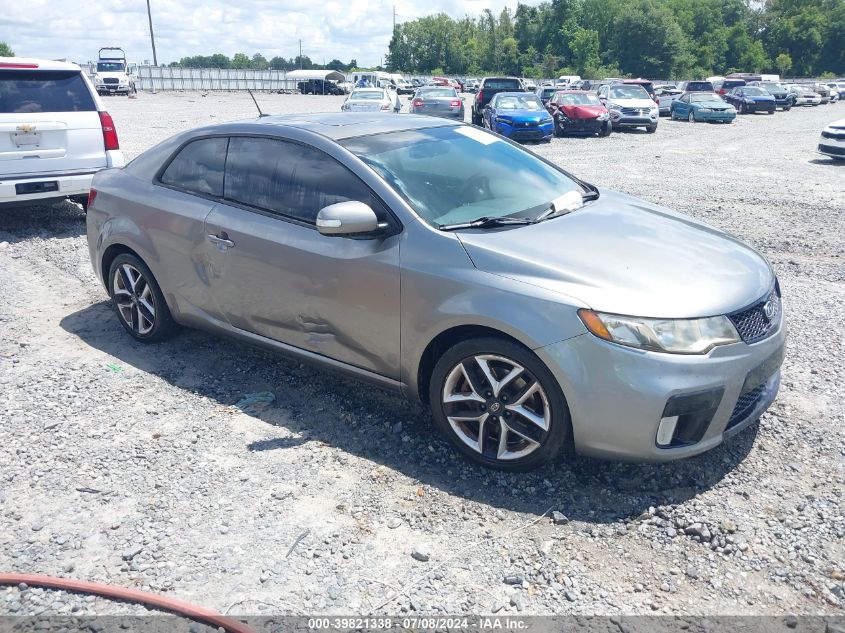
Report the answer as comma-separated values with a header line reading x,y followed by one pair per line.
x,y
342,125
11,63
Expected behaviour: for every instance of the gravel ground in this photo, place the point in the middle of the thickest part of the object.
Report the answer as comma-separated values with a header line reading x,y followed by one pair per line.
x,y
129,464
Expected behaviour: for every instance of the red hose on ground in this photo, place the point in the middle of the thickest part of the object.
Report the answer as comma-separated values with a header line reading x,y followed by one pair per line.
x,y
193,612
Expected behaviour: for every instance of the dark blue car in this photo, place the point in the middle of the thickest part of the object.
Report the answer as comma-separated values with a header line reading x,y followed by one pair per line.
x,y
748,99
520,116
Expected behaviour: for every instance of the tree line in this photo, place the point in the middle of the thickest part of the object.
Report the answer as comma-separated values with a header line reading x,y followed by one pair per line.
x,y
640,38
259,62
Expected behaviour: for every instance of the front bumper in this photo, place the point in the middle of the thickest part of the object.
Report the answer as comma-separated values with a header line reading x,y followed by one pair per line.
x,y
724,115
618,395
761,106
808,101
619,119
115,88
583,126
521,132
783,102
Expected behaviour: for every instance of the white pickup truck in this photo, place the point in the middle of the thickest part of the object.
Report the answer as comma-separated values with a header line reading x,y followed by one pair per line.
x,y
54,132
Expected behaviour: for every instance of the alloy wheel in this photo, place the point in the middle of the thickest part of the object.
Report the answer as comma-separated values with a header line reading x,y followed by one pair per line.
x,y
496,407
134,299
691,117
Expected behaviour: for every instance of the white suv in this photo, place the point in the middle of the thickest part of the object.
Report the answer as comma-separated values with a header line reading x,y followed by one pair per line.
x,y
54,133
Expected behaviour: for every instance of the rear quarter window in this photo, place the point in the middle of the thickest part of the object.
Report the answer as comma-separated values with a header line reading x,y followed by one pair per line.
x,y
198,167
44,91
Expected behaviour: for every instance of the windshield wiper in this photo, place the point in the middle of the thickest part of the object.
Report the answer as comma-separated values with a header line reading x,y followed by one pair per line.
x,y
486,223
557,206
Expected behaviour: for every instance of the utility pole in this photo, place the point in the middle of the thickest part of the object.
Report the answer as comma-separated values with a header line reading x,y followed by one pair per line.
x,y
394,19
300,54
152,36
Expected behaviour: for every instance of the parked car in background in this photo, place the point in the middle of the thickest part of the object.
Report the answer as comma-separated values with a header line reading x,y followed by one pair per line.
x,y
487,89
579,112
832,141
665,96
314,235
372,100
520,116
783,98
111,74
804,95
838,87
823,91
629,106
319,87
55,133
471,86
750,99
345,86
544,93
645,83
438,101
724,86
446,81
529,85
695,86
403,86
702,106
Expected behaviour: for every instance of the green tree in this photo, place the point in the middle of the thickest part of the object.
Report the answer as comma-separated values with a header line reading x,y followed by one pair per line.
x,y
240,60
783,63
585,50
6,50
259,62
647,40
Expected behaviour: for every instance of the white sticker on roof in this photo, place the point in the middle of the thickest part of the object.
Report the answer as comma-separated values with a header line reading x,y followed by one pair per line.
x,y
485,138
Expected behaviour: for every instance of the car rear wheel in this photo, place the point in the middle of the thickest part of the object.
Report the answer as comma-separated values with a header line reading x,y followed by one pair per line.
x,y
477,119
691,117
741,108
138,300
499,404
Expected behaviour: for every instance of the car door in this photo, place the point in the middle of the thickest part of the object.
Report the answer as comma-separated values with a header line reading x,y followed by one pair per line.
x,y
682,107
276,276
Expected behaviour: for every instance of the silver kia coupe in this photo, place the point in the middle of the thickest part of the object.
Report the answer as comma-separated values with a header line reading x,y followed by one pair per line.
x,y
531,310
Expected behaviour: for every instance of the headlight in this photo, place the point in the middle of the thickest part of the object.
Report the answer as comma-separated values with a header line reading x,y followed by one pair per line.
x,y
603,117
613,106
677,336
501,119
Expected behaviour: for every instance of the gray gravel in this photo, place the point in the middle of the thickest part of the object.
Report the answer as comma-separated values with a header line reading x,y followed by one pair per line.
x,y
131,465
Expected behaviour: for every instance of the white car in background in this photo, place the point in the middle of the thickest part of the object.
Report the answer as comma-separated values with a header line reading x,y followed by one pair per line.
x,y
54,132
372,100
832,141
804,95
665,96
630,106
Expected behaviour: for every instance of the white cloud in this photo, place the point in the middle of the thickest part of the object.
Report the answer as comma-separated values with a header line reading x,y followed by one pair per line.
x,y
76,29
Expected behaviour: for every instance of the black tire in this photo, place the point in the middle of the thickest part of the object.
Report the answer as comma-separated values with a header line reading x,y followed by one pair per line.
x,y
651,129
559,131
771,111
691,116
741,109
163,324
548,442
476,118
606,129
787,108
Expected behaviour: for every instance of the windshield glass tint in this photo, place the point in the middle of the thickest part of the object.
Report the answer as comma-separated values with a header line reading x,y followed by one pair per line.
x,y
754,91
109,67
518,102
548,92
703,96
455,174
699,86
774,87
360,94
44,91
438,92
580,99
628,92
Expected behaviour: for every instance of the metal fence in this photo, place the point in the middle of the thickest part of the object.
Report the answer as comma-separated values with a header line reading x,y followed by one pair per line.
x,y
155,78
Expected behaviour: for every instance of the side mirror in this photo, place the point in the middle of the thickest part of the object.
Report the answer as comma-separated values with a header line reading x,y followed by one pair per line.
x,y
347,218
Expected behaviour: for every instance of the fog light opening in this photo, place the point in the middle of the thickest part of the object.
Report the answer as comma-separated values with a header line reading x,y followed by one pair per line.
x,y
666,430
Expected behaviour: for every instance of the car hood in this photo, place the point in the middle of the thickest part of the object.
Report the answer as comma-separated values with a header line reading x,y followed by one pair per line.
x,y
760,97
523,115
632,103
715,103
622,255
579,112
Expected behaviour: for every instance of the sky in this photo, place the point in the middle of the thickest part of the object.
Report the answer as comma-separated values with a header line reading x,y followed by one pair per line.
x,y
76,29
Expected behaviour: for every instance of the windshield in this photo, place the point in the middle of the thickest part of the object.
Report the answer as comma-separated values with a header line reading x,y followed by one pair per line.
x,y
776,87
518,102
699,86
580,99
547,93
754,91
702,97
456,174
438,92
109,67
373,95
628,92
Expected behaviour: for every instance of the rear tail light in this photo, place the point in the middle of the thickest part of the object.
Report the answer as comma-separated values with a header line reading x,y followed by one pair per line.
x,y
92,195
17,65
479,96
109,133
418,103
456,103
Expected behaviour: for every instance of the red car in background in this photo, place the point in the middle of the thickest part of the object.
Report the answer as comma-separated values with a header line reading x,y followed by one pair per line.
x,y
449,83
579,112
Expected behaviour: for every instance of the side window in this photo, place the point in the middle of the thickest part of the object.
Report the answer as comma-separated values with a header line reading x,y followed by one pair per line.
x,y
198,167
290,179
685,98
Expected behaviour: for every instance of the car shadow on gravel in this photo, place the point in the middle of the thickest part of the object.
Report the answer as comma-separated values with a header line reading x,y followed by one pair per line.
x,y
312,404
58,219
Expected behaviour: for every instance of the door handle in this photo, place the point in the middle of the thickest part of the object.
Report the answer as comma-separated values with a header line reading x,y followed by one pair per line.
x,y
221,240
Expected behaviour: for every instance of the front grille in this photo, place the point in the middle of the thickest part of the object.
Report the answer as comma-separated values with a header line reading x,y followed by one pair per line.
x,y
832,149
839,136
110,80
745,405
753,324
634,111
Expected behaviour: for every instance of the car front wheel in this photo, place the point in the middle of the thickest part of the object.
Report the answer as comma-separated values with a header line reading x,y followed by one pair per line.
x,y
499,404
691,117
138,300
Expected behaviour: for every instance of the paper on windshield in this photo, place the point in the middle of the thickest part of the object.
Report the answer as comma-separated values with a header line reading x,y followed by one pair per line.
x,y
477,135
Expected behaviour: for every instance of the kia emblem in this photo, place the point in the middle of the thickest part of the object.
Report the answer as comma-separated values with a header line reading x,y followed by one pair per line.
x,y
769,309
